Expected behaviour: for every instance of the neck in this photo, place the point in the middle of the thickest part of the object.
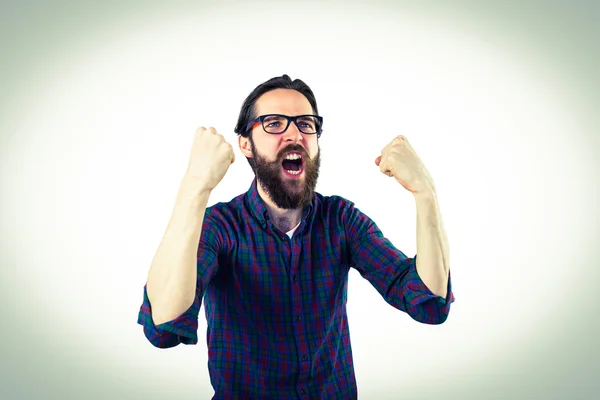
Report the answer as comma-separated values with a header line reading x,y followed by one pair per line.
x,y
284,219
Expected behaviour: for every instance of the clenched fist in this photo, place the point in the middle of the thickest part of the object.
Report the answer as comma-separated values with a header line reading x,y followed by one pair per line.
x,y
399,159
210,158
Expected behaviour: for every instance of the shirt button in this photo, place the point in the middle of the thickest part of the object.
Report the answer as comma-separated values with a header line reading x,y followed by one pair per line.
x,y
304,358
302,391
295,278
298,318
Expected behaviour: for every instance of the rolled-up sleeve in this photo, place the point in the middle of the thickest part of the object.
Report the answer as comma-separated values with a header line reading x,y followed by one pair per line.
x,y
391,272
184,328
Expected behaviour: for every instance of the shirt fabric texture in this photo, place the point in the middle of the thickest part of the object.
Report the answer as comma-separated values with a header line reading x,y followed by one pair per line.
x,y
275,306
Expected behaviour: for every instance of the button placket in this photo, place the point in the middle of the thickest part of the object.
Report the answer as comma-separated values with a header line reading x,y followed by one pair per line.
x,y
298,313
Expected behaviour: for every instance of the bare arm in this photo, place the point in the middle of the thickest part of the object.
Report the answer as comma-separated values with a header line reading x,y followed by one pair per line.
x,y
399,160
171,284
432,244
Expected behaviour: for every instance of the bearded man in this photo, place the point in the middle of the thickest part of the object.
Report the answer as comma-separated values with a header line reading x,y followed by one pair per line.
x,y
272,264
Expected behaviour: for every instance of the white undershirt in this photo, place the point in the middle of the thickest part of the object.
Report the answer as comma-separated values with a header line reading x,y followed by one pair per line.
x,y
290,233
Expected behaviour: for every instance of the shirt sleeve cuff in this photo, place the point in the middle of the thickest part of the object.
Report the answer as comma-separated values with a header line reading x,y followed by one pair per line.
x,y
422,303
422,292
182,329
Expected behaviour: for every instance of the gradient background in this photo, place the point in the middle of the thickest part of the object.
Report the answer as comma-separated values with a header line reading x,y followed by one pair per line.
x,y
98,106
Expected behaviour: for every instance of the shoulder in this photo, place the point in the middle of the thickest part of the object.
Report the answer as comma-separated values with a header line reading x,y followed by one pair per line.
x,y
333,206
221,221
226,212
344,212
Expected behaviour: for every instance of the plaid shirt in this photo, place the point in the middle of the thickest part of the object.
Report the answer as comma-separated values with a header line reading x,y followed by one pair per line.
x,y
276,306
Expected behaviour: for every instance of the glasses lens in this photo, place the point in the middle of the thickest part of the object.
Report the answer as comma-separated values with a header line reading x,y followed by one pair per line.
x,y
275,124
307,124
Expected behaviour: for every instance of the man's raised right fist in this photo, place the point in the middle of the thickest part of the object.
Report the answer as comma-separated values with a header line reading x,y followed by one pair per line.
x,y
210,158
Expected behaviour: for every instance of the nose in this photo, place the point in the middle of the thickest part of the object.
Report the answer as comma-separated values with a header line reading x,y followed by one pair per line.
x,y
292,134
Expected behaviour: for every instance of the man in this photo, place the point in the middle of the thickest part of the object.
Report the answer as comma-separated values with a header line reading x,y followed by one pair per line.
x,y
272,264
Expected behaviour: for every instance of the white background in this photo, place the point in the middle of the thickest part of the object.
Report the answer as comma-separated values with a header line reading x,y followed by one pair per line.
x,y
98,111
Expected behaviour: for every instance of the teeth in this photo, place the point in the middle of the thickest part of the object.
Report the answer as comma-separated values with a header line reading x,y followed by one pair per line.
x,y
294,156
293,172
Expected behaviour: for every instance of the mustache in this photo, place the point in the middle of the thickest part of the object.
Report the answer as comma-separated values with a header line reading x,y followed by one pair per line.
x,y
293,147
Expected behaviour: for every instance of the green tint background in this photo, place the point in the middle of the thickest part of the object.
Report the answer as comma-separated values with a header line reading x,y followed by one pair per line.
x,y
58,343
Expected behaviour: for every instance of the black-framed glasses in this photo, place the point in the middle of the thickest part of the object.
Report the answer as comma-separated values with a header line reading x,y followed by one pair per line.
x,y
279,123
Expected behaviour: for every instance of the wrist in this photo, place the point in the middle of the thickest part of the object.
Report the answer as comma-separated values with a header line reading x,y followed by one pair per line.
x,y
427,194
194,186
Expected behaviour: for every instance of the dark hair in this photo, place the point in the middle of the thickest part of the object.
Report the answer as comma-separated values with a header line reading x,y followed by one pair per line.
x,y
248,111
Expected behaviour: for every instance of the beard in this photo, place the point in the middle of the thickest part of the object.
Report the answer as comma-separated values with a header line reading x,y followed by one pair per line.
x,y
287,194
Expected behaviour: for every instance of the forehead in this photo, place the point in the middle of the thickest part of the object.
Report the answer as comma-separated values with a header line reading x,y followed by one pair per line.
x,y
283,101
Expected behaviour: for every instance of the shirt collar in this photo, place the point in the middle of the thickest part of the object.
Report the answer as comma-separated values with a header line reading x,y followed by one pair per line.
x,y
259,209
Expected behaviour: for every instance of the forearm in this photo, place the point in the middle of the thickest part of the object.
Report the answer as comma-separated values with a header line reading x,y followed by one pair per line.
x,y
432,244
172,278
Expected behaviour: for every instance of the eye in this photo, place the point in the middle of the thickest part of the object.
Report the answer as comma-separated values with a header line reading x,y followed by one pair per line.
x,y
273,122
307,123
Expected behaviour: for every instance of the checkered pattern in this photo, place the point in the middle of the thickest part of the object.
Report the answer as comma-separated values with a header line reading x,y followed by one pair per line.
x,y
276,307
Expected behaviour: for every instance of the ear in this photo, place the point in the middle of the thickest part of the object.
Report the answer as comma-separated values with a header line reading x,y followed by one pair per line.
x,y
245,146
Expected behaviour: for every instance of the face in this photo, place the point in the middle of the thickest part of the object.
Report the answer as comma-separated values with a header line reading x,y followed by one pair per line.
x,y
286,164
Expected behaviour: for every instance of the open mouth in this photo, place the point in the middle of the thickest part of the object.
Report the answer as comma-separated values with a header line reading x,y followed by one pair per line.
x,y
293,164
